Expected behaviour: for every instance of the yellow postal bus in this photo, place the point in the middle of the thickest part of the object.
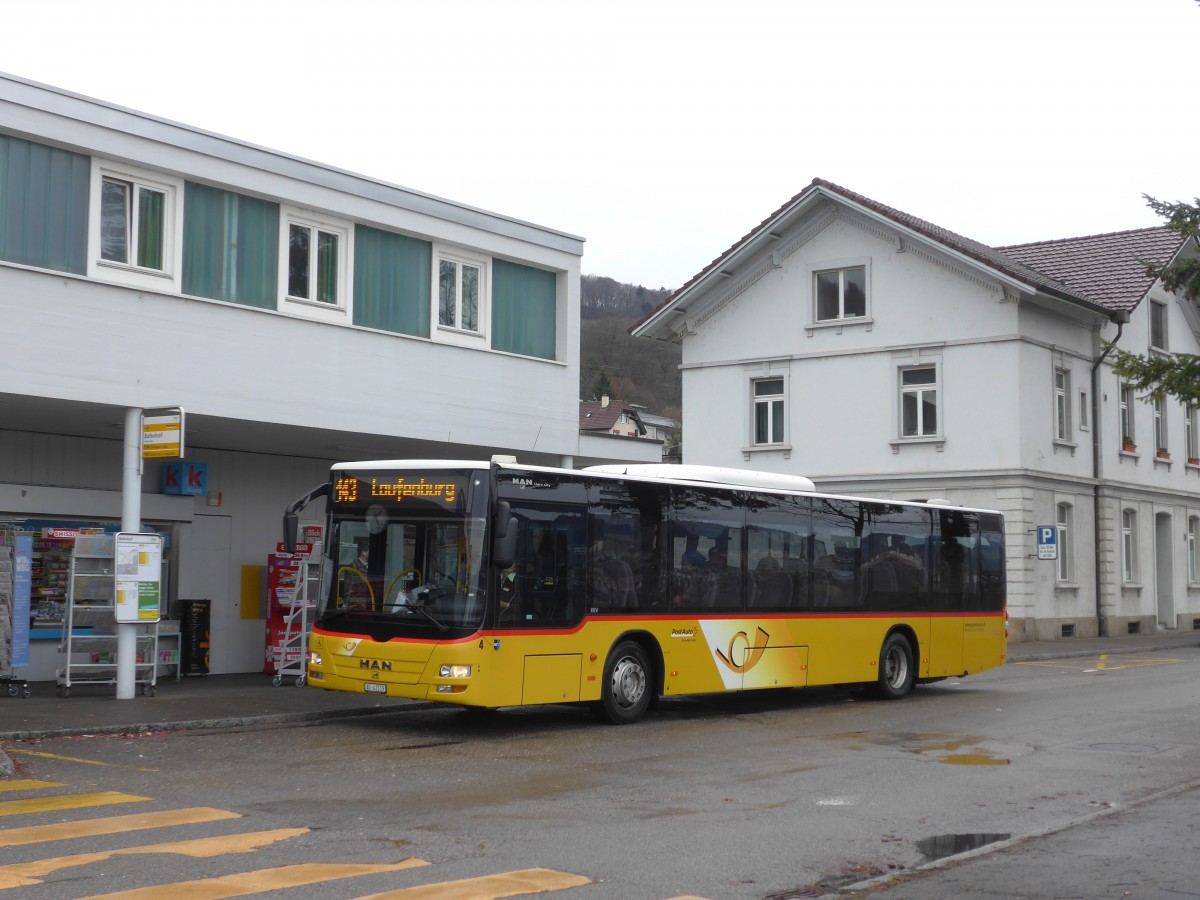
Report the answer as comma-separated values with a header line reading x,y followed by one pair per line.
x,y
491,584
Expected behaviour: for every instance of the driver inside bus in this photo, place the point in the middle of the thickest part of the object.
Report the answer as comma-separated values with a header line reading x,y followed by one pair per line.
x,y
508,593
355,588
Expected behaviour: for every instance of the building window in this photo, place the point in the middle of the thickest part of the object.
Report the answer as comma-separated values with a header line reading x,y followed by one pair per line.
x,y
1189,434
131,223
314,255
135,230
1126,404
1128,545
1063,518
1062,404
1085,411
1158,326
769,411
918,401
1160,426
461,291
1192,532
840,293
314,264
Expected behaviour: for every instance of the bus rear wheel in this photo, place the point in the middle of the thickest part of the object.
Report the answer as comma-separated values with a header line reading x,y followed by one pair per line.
x,y
625,691
896,671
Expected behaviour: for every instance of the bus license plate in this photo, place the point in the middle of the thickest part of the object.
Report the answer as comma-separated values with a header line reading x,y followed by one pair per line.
x,y
372,687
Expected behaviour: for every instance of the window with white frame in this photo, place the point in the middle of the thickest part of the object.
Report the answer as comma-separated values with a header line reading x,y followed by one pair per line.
x,y
769,406
1085,411
1189,433
1128,545
461,293
1125,400
1063,514
1062,404
1158,326
840,293
314,258
1160,425
134,225
918,401
1192,532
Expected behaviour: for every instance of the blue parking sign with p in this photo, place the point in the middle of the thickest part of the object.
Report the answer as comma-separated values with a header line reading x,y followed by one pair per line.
x,y
1047,542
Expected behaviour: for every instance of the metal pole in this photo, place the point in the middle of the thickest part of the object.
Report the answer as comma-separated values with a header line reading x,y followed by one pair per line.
x,y
131,521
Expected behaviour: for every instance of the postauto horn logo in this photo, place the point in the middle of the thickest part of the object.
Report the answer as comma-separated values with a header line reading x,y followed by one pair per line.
x,y
740,652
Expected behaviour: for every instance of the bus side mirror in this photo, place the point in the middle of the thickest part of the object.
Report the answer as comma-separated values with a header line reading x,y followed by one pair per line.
x,y
504,536
291,516
291,522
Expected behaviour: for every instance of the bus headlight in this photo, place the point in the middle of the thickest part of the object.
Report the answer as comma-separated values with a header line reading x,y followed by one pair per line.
x,y
455,672
314,659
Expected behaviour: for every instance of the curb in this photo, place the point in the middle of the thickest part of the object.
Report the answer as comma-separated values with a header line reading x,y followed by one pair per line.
x,y
1094,651
207,724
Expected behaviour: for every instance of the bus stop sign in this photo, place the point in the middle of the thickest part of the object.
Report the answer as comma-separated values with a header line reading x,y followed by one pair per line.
x,y
1047,542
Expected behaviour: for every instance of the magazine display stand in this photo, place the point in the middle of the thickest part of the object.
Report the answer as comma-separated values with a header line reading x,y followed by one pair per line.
x,y
90,631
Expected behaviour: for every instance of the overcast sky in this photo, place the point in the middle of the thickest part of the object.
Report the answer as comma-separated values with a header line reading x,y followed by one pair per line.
x,y
663,130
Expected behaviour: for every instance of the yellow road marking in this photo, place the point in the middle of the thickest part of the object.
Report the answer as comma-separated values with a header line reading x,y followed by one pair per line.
x,y
263,880
60,831
489,887
76,759
1105,663
66,801
25,784
30,873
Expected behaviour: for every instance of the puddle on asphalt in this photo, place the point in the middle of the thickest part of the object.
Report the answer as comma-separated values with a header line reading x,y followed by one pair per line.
x,y
973,759
944,845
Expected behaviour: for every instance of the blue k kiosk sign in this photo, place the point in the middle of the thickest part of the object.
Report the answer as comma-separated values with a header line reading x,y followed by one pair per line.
x,y
186,479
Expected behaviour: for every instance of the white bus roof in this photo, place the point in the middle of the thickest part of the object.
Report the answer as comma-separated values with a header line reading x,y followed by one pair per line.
x,y
714,474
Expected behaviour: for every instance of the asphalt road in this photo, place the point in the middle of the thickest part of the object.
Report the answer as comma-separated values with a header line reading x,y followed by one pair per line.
x,y
788,794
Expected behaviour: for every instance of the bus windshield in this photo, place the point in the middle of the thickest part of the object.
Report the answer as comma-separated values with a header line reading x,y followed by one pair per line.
x,y
405,552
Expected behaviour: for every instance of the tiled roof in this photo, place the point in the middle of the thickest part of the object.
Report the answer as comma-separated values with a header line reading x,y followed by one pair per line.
x,y
1104,271
595,416
1108,269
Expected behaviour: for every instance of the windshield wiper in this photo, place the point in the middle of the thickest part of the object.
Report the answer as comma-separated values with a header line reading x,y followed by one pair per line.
x,y
421,598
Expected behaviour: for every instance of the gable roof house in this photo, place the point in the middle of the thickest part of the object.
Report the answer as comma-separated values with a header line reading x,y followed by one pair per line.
x,y
882,355
608,416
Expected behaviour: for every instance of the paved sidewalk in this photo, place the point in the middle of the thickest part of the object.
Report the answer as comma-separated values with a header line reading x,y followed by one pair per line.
x,y
223,701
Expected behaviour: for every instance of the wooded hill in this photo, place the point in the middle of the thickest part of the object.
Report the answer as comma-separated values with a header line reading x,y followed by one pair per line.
x,y
612,361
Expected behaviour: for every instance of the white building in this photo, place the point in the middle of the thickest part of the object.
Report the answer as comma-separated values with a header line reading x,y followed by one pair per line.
x,y
882,355
300,314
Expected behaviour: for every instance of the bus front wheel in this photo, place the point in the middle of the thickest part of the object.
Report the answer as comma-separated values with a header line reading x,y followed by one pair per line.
x,y
896,669
625,692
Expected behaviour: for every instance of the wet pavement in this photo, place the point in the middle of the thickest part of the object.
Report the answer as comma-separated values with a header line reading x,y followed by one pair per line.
x,y
223,701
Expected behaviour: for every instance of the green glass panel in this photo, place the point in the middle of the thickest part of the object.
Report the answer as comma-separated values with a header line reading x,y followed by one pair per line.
x,y
391,281
230,247
777,422
150,228
43,206
524,310
327,267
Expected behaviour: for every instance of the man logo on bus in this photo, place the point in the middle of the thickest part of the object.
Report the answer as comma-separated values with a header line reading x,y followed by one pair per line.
x,y
741,648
